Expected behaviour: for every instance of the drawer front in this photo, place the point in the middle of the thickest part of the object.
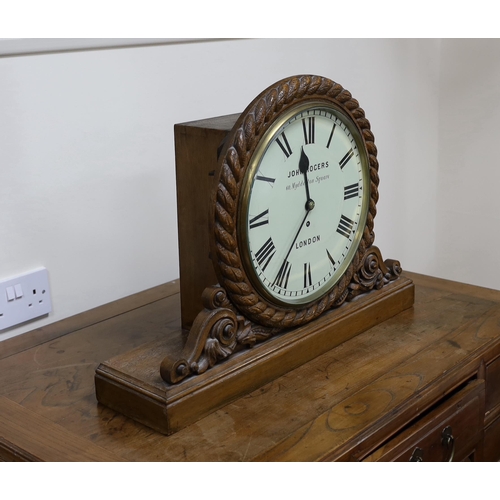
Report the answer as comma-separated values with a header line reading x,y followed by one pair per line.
x,y
452,431
493,385
492,442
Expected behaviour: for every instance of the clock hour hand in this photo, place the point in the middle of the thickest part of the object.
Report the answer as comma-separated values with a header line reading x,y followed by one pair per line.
x,y
304,167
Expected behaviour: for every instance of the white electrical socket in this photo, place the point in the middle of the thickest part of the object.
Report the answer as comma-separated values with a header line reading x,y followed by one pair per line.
x,y
24,298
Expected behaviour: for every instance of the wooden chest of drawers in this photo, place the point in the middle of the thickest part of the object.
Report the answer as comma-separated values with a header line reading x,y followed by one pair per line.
x,y
424,385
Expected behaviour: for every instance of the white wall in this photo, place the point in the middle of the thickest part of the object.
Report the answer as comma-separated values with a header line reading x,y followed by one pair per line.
x,y
87,186
468,211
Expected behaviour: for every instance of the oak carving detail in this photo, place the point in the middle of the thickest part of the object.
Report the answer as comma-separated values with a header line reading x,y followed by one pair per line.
x,y
219,330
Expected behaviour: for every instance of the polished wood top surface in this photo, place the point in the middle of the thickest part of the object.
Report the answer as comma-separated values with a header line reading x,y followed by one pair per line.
x,y
328,408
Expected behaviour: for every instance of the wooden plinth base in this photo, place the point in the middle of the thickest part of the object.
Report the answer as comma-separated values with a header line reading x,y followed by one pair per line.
x,y
131,383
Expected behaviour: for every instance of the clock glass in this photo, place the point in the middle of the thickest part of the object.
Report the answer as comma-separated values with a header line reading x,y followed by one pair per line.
x,y
304,204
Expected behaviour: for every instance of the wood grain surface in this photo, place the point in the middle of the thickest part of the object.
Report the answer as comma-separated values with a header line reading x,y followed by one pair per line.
x,y
130,384
343,405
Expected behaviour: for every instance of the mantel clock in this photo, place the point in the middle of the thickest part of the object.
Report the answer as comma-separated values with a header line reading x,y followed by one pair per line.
x,y
276,208
291,220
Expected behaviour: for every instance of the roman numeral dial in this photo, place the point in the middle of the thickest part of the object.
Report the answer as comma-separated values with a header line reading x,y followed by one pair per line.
x,y
308,128
282,142
346,158
259,220
281,279
307,275
265,253
307,202
345,226
265,179
351,191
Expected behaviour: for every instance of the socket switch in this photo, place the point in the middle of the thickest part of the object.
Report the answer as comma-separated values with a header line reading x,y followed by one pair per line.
x,y
24,298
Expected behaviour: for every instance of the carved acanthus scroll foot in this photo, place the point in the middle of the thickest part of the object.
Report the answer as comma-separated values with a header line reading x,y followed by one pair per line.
x,y
373,273
217,332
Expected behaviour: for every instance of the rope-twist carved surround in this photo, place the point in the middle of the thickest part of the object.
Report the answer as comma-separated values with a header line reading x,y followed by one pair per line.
x,y
235,158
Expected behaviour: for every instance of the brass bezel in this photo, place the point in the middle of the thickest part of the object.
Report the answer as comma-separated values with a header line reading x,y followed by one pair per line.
x,y
247,184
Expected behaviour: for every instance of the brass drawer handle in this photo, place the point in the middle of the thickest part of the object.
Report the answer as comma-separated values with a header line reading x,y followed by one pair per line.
x,y
448,441
417,455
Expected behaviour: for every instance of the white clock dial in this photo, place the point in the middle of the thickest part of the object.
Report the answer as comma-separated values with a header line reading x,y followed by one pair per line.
x,y
306,205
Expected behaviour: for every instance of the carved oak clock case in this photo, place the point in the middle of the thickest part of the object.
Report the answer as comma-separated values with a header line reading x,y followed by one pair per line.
x,y
276,212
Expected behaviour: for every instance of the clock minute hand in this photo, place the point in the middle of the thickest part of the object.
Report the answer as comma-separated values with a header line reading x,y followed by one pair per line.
x,y
281,271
